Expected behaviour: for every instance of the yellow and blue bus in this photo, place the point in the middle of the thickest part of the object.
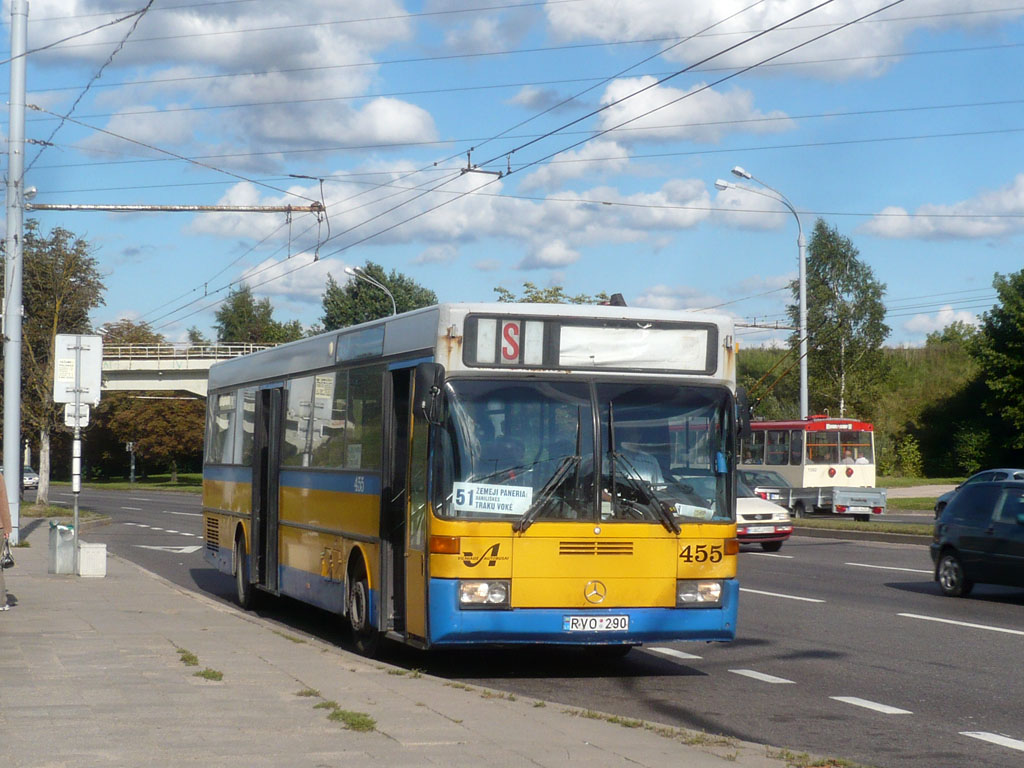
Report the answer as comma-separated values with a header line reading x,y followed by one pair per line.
x,y
473,474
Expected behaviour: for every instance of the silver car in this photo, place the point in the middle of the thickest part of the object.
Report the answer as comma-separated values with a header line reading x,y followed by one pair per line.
x,y
985,476
29,478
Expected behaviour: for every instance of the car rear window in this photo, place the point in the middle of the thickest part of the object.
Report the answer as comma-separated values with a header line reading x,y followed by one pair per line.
x,y
975,503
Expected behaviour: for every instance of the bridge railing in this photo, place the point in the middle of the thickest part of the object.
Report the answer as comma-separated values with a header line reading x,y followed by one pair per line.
x,y
183,351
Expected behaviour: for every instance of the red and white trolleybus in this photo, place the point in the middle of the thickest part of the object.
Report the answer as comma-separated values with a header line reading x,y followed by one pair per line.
x,y
828,462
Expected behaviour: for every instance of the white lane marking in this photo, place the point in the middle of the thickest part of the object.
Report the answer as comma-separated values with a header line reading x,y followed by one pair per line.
x,y
769,554
962,623
995,738
132,509
776,594
186,514
890,568
177,550
137,498
170,531
674,653
885,709
154,528
762,676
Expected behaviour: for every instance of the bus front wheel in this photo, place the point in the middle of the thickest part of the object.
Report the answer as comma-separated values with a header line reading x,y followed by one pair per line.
x,y
365,636
243,587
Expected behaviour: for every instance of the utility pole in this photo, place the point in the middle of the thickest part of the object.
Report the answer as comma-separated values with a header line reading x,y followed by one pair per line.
x,y
13,264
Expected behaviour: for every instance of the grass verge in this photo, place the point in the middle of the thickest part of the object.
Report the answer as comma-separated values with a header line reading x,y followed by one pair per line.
x,y
872,526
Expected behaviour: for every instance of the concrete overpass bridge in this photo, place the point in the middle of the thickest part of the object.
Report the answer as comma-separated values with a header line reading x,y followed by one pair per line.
x,y
166,367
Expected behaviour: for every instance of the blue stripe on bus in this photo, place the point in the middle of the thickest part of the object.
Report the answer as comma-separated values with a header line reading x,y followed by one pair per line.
x,y
231,474
342,481
400,364
451,626
314,589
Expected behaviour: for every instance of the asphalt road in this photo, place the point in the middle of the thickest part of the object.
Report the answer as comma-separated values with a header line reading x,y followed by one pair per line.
x,y
845,648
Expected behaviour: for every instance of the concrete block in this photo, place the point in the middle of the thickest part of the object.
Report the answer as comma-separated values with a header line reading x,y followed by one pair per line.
x,y
92,559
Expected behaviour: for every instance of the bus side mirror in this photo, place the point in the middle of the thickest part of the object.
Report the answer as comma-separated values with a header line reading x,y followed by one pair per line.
x,y
743,409
429,380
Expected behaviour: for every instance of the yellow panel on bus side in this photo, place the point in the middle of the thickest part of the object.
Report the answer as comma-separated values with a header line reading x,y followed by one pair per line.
x,y
347,513
227,495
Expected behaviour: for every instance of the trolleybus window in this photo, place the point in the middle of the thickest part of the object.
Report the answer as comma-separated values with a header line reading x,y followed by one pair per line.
x,y
856,447
822,447
777,446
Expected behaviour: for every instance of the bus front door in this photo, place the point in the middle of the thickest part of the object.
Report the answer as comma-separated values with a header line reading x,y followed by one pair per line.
x,y
265,485
416,528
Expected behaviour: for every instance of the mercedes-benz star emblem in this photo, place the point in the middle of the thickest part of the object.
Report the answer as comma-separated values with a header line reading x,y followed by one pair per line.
x,y
595,592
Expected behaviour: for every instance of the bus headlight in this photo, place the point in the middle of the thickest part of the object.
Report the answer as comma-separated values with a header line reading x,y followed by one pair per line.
x,y
490,593
693,593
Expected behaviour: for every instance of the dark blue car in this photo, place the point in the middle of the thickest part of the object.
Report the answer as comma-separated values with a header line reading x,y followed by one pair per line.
x,y
979,538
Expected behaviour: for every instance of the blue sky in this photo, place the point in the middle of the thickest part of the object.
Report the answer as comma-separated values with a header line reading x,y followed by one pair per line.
x,y
904,130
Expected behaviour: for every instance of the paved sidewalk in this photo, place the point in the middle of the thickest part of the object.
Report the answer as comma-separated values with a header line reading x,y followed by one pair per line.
x,y
91,674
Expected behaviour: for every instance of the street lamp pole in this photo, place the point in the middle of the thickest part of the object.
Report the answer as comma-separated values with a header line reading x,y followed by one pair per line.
x,y
358,273
801,244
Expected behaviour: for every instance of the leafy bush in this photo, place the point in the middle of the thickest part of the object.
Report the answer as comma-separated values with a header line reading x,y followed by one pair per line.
x,y
908,457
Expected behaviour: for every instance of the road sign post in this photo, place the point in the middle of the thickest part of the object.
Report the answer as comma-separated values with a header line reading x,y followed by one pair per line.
x,y
77,372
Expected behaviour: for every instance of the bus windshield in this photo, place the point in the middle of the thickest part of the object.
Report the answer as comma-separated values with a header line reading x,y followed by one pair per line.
x,y
525,451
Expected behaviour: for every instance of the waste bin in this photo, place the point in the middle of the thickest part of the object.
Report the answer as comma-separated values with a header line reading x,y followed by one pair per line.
x,y
62,549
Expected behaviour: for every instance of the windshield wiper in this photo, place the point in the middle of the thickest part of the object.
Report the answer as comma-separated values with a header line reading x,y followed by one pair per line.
x,y
568,464
646,489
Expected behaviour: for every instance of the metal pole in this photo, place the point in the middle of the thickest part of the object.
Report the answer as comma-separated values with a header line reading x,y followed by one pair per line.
x,y
76,445
802,247
13,264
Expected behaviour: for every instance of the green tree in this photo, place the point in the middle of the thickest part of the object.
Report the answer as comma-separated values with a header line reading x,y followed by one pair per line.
x,y
999,350
768,376
845,325
241,319
195,336
553,295
357,301
61,286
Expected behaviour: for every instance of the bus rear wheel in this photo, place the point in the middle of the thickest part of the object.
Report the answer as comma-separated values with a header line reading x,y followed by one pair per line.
x,y
243,587
365,636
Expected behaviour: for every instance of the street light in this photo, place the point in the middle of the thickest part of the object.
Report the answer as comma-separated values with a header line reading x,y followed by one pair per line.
x,y
801,245
359,274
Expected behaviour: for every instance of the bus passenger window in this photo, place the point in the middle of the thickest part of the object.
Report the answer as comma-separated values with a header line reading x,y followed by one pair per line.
x,y
796,447
777,447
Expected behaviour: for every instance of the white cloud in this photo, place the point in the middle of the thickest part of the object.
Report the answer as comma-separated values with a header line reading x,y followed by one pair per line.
x,y
705,116
990,214
748,210
437,254
851,52
550,256
298,278
593,158
925,323
674,297
306,63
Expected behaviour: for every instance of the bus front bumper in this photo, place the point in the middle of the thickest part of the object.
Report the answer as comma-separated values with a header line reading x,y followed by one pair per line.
x,y
450,625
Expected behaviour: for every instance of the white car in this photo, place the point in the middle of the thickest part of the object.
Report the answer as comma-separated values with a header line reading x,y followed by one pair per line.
x,y
759,521
29,478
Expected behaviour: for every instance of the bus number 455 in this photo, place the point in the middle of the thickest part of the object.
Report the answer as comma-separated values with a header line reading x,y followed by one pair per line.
x,y
702,553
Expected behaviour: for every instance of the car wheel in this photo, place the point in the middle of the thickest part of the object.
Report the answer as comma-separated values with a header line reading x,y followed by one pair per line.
x,y
771,546
951,577
243,587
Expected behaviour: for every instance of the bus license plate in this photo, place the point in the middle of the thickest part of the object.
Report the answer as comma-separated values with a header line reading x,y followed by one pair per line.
x,y
761,529
595,623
